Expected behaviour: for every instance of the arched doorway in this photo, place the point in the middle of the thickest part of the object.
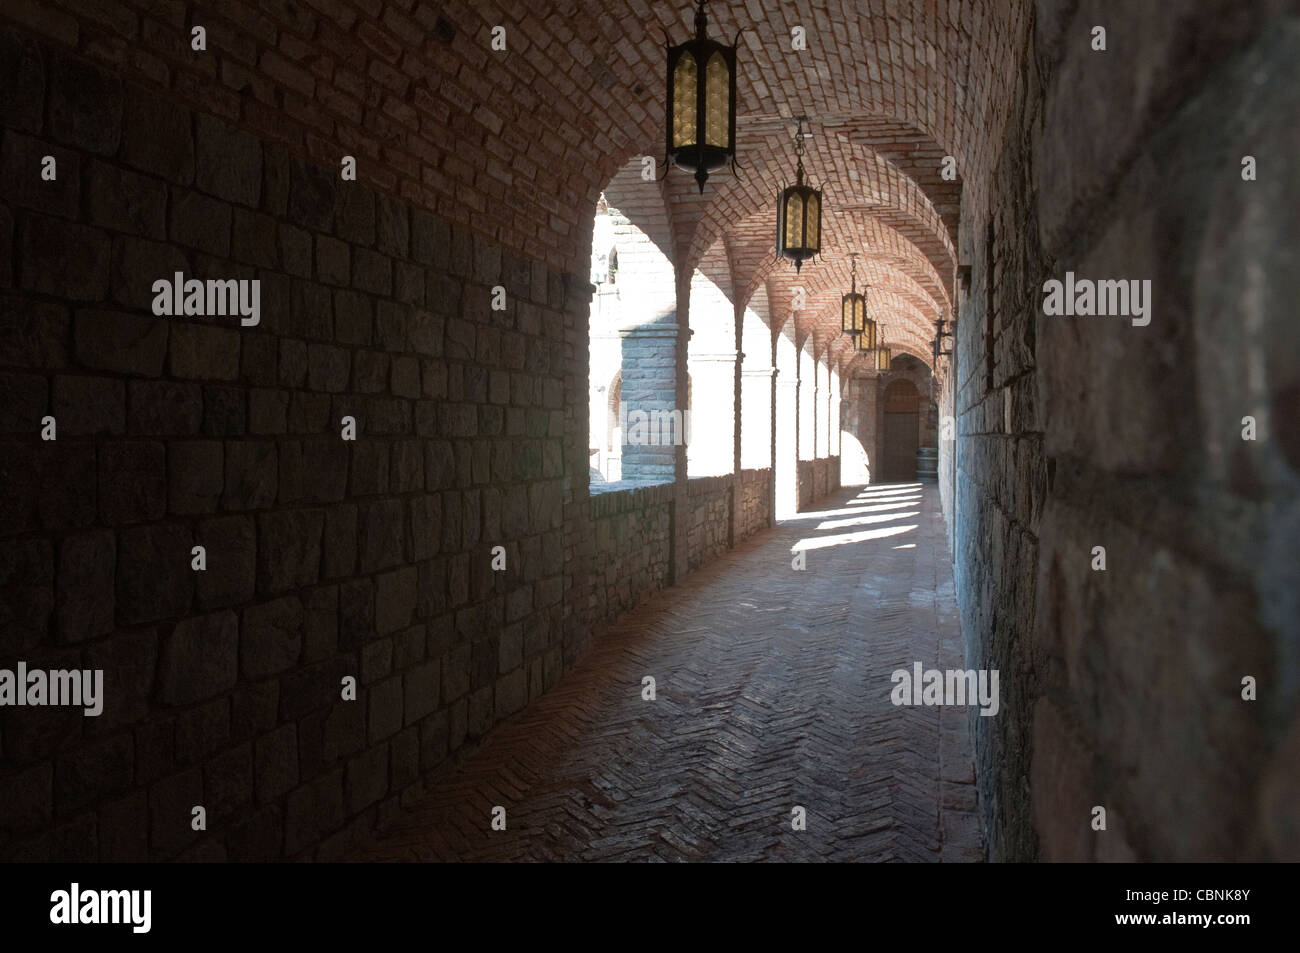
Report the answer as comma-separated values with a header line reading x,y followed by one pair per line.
x,y
901,433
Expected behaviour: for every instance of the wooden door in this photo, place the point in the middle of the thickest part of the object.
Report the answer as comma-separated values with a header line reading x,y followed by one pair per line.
x,y
901,436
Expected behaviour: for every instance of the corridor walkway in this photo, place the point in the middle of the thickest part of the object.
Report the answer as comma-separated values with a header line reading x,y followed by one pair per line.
x,y
773,690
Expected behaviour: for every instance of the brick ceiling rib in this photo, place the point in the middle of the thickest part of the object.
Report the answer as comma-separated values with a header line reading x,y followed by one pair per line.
x,y
518,144
852,178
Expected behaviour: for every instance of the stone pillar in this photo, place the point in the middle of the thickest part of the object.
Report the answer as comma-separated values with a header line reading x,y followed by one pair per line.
x,y
652,426
578,541
835,410
787,446
806,447
757,402
713,416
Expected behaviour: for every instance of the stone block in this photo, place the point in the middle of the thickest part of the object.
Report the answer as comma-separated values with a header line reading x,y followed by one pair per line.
x,y
456,674
345,731
129,662
171,801
164,408
200,659
295,250
203,352
228,783
312,811
22,82
154,579
395,599
194,476
381,535
384,710
328,368
229,162
64,260
231,546
156,137
255,239
353,318
356,216
252,475
372,272
86,586
288,550
135,265
367,779
94,772
24,400
132,482
126,202
311,196
511,693
434,732
480,712
224,410
275,761
120,342
85,105
333,261
339,546
394,227
201,222
404,758
421,688
22,165
123,827
271,640
268,411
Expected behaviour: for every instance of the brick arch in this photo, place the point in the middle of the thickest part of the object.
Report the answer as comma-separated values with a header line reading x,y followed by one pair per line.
x,y
712,310
642,203
756,341
516,146
859,231
895,299
716,265
855,180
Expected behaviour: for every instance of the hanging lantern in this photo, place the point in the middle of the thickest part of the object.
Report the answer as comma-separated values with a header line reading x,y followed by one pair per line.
x,y
884,358
853,313
701,102
799,214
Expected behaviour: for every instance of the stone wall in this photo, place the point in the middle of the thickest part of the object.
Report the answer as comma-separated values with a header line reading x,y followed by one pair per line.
x,y
817,478
326,558
632,534
755,511
1000,476
1122,688
709,529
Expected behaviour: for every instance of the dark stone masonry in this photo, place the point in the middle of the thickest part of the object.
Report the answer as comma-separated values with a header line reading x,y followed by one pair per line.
x,y
363,538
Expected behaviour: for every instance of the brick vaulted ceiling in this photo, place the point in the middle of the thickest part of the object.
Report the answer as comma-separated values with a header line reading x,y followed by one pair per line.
x,y
518,144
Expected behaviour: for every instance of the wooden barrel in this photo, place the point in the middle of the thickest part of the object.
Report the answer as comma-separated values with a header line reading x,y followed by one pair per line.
x,y
927,464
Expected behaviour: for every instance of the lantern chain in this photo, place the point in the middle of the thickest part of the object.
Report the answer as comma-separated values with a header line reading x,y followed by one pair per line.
x,y
799,147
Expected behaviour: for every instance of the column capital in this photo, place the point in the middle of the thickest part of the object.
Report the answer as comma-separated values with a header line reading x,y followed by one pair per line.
x,y
758,372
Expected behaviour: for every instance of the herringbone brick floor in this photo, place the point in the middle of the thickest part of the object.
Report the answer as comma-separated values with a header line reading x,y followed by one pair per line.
x,y
773,690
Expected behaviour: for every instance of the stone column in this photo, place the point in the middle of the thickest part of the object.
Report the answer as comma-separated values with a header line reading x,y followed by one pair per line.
x,y
757,393
652,425
787,446
713,412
